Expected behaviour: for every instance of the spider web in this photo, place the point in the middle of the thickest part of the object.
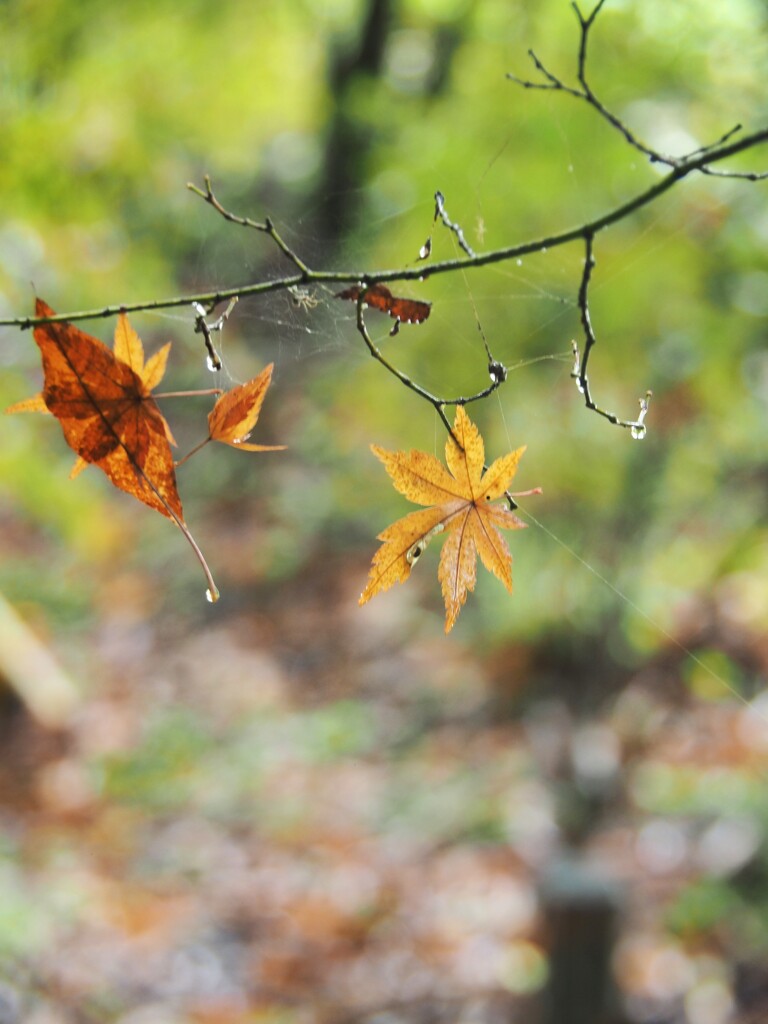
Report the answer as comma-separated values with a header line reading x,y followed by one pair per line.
x,y
303,325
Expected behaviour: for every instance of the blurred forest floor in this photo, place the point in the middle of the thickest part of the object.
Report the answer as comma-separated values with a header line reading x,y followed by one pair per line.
x,y
283,816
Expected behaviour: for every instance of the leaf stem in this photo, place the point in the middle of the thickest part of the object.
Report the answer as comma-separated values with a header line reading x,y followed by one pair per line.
x,y
194,451
212,592
187,394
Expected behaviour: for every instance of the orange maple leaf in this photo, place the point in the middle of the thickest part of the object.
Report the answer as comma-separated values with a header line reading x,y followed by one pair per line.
x,y
129,349
234,415
459,500
102,401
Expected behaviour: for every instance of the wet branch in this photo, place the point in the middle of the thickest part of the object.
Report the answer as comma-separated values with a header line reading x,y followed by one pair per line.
x,y
496,370
442,214
699,162
207,330
497,373
581,360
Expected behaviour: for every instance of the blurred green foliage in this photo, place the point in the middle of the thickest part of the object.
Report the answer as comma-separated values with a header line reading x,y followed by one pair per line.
x,y
109,109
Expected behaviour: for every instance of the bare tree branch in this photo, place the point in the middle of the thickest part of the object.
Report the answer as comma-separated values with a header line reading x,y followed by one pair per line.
x,y
368,277
553,83
702,160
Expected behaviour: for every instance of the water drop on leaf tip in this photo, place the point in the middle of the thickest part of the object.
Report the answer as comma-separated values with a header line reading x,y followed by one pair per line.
x,y
637,432
212,595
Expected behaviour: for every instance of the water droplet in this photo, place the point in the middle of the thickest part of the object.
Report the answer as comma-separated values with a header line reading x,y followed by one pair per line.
x,y
519,262
638,431
213,364
212,595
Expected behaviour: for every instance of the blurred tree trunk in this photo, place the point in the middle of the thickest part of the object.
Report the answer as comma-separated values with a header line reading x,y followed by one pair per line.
x,y
350,135
581,912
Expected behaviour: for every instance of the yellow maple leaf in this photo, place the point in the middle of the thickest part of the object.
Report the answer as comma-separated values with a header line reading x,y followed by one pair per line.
x,y
459,500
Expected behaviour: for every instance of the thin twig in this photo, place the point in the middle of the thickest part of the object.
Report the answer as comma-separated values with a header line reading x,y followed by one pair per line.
x,y
718,142
741,175
579,373
553,83
267,227
586,25
442,214
203,327
586,94
497,372
402,377
439,403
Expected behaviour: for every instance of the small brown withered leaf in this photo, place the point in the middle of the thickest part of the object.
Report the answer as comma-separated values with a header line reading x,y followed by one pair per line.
x,y
378,296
